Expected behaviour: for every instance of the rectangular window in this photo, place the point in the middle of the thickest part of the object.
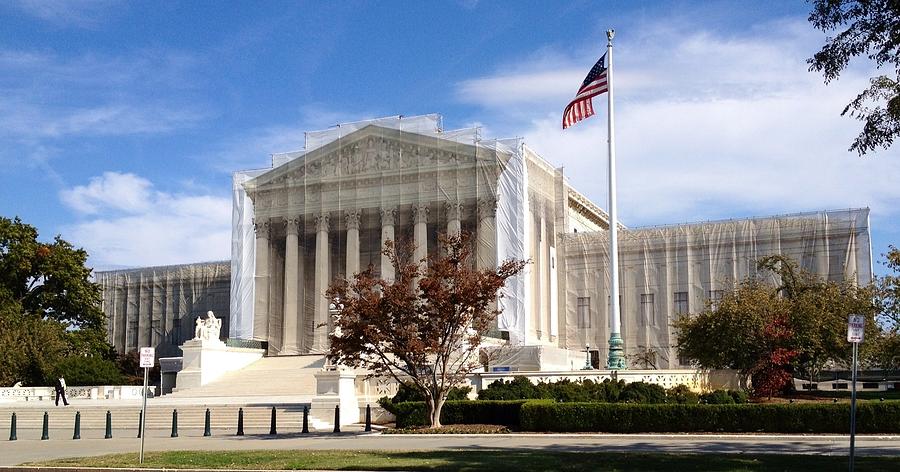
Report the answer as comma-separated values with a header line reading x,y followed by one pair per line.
x,y
681,303
715,296
176,331
648,311
584,312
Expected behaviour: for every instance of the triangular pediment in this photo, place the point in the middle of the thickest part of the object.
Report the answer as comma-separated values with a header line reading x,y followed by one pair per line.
x,y
371,150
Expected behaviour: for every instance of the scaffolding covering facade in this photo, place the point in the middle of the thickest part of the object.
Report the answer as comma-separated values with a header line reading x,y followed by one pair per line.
x,y
158,306
325,211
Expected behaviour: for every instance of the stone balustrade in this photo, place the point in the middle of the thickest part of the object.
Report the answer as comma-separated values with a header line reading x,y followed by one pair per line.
x,y
92,392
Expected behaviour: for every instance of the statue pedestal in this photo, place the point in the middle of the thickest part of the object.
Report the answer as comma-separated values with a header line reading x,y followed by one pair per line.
x,y
334,388
205,361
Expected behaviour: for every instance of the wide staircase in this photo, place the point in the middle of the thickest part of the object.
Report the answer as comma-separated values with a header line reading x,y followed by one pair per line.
x,y
279,378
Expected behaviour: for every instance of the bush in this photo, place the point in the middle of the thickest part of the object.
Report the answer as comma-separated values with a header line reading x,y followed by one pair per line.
x,y
409,393
723,397
872,417
80,371
642,392
682,394
505,413
519,388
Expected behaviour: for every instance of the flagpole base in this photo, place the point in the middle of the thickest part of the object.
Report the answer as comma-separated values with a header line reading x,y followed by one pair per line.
x,y
616,360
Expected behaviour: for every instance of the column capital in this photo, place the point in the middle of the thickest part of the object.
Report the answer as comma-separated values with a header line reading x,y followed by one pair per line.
x,y
262,228
292,224
322,224
420,213
352,219
454,210
388,215
487,208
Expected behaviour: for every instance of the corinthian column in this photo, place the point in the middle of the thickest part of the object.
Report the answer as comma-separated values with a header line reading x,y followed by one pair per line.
x,y
291,279
420,232
320,313
387,234
352,218
454,211
486,250
261,282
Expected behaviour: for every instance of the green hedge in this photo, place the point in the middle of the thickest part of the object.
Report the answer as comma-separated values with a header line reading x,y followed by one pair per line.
x,y
505,413
872,417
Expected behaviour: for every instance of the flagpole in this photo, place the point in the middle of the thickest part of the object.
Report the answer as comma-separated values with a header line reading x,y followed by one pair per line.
x,y
616,359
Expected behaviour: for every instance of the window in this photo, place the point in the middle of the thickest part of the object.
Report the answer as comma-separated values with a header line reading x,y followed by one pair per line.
x,y
715,296
648,313
176,330
584,312
681,303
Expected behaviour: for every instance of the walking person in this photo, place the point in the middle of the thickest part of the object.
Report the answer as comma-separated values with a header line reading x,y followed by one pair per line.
x,y
61,391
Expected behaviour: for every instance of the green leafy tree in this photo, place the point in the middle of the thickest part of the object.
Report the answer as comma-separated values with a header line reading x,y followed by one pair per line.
x,y
770,334
889,291
870,28
49,308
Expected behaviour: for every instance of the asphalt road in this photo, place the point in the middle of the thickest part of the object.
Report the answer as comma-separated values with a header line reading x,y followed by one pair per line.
x,y
30,448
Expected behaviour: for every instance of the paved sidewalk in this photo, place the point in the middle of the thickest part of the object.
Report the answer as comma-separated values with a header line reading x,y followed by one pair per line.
x,y
28,448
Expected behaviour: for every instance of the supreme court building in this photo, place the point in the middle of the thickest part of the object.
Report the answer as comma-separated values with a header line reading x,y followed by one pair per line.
x,y
325,211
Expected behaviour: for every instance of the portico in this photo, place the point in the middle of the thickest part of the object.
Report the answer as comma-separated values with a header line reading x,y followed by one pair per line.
x,y
329,213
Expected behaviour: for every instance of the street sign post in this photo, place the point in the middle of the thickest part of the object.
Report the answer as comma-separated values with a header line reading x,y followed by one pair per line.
x,y
856,325
148,357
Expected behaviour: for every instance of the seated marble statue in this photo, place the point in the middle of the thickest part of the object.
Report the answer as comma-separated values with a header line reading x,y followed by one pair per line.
x,y
208,329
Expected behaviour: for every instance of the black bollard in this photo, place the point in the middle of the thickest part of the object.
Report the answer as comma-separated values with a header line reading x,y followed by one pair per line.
x,y
108,425
305,420
368,418
337,418
45,431
77,433
140,420
12,428
272,426
240,431
174,424
206,425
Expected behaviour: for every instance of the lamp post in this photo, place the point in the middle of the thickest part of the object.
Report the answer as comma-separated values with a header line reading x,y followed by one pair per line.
x,y
587,358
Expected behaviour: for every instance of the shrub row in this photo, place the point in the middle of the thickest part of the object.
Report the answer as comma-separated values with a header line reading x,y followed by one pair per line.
x,y
544,416
608,391
505,413
770,418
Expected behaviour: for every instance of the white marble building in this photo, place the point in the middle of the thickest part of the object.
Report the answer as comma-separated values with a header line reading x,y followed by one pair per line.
x,y
325,211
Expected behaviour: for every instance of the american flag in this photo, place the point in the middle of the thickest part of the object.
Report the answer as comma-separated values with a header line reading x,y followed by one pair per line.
x,y
594,84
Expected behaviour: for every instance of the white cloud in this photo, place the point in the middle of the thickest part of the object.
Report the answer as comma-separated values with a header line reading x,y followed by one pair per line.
x,y
112,190
126,222
707,126
80,13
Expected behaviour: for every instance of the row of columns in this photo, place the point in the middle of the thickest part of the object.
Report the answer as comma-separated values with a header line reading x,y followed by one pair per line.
x,y
294,264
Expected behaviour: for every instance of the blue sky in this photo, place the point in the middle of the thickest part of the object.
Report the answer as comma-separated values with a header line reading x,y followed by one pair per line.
x,y
121,122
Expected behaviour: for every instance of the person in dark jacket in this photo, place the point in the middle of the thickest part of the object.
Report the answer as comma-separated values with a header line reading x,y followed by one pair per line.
x,y
61,391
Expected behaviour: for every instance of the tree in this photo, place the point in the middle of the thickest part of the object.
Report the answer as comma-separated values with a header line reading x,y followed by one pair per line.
x,y
49,308
772,333
425,327
889,291
873,29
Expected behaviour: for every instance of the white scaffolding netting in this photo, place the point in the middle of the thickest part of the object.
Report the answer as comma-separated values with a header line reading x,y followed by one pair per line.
x,y
324,211
669,270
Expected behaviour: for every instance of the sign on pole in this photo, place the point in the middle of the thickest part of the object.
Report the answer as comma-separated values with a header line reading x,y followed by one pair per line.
x,y
855,327
148,355
856,324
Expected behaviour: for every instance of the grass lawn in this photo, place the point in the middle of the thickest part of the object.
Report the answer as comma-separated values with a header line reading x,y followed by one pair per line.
x,y
519,460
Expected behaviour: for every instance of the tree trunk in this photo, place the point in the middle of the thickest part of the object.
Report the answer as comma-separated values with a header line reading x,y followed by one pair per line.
x,y
436,413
